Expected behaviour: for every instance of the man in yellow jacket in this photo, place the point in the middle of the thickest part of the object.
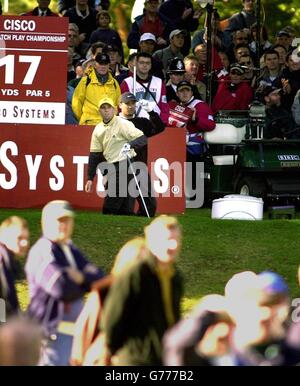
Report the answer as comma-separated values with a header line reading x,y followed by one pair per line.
x,y
98,84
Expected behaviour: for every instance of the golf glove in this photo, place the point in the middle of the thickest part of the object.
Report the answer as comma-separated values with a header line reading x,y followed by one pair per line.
x,y
126,150
145,105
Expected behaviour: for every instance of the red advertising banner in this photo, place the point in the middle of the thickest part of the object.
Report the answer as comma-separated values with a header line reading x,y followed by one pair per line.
x,y
33,63
39,164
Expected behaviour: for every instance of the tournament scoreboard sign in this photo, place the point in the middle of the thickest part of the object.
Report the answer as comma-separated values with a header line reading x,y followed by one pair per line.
x,y
33,75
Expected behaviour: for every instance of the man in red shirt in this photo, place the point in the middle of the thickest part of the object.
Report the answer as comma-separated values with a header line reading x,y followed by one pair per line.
x,y
234,92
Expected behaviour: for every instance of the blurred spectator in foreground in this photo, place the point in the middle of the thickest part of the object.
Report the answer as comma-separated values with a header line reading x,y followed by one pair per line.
x,y
203,338
132,322
261,316
93,87
58,275
89,347
20,343
14,242
41,10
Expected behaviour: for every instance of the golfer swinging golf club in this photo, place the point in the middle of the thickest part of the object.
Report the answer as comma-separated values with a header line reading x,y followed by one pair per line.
x,y
113,142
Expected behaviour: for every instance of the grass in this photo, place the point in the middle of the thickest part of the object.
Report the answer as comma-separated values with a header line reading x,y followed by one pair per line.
x,y
213,250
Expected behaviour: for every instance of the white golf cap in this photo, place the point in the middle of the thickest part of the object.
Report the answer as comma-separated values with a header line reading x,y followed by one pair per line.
x,y
147,36
55,210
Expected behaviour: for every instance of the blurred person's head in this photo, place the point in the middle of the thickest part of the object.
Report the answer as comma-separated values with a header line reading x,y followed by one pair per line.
x,y
176,70
177,39
260,310
103,19
102,62
97,48
283,38
131,62
151,6
43,4
236,73
247,63
107,109
184,91
73,35
20,342
82,4
291,63
200,52
127,105
282,52
143,64
271,96
147,43
263,33
191,64
240,37
163,238
58,221
14,234
248,5
114,55
131,252
241,50
217,326
224,59
271,60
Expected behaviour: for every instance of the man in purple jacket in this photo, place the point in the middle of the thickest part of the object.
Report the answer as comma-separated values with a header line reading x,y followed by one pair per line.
x,y
58,275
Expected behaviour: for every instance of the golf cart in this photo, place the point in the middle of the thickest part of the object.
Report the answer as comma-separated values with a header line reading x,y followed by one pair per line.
x,y
243,162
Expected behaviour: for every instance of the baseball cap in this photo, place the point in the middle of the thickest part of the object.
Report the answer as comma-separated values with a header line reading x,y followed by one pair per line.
x,y
109,101
55,210
176,65
283,33
147,36
268,90
177,32
237,67
272,287
111,48
184,84
127,97
102,58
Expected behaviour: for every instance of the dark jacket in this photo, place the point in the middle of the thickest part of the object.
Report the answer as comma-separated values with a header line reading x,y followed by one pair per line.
x,y
63,5
7,281
86,25
279,123
108,36
134,320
